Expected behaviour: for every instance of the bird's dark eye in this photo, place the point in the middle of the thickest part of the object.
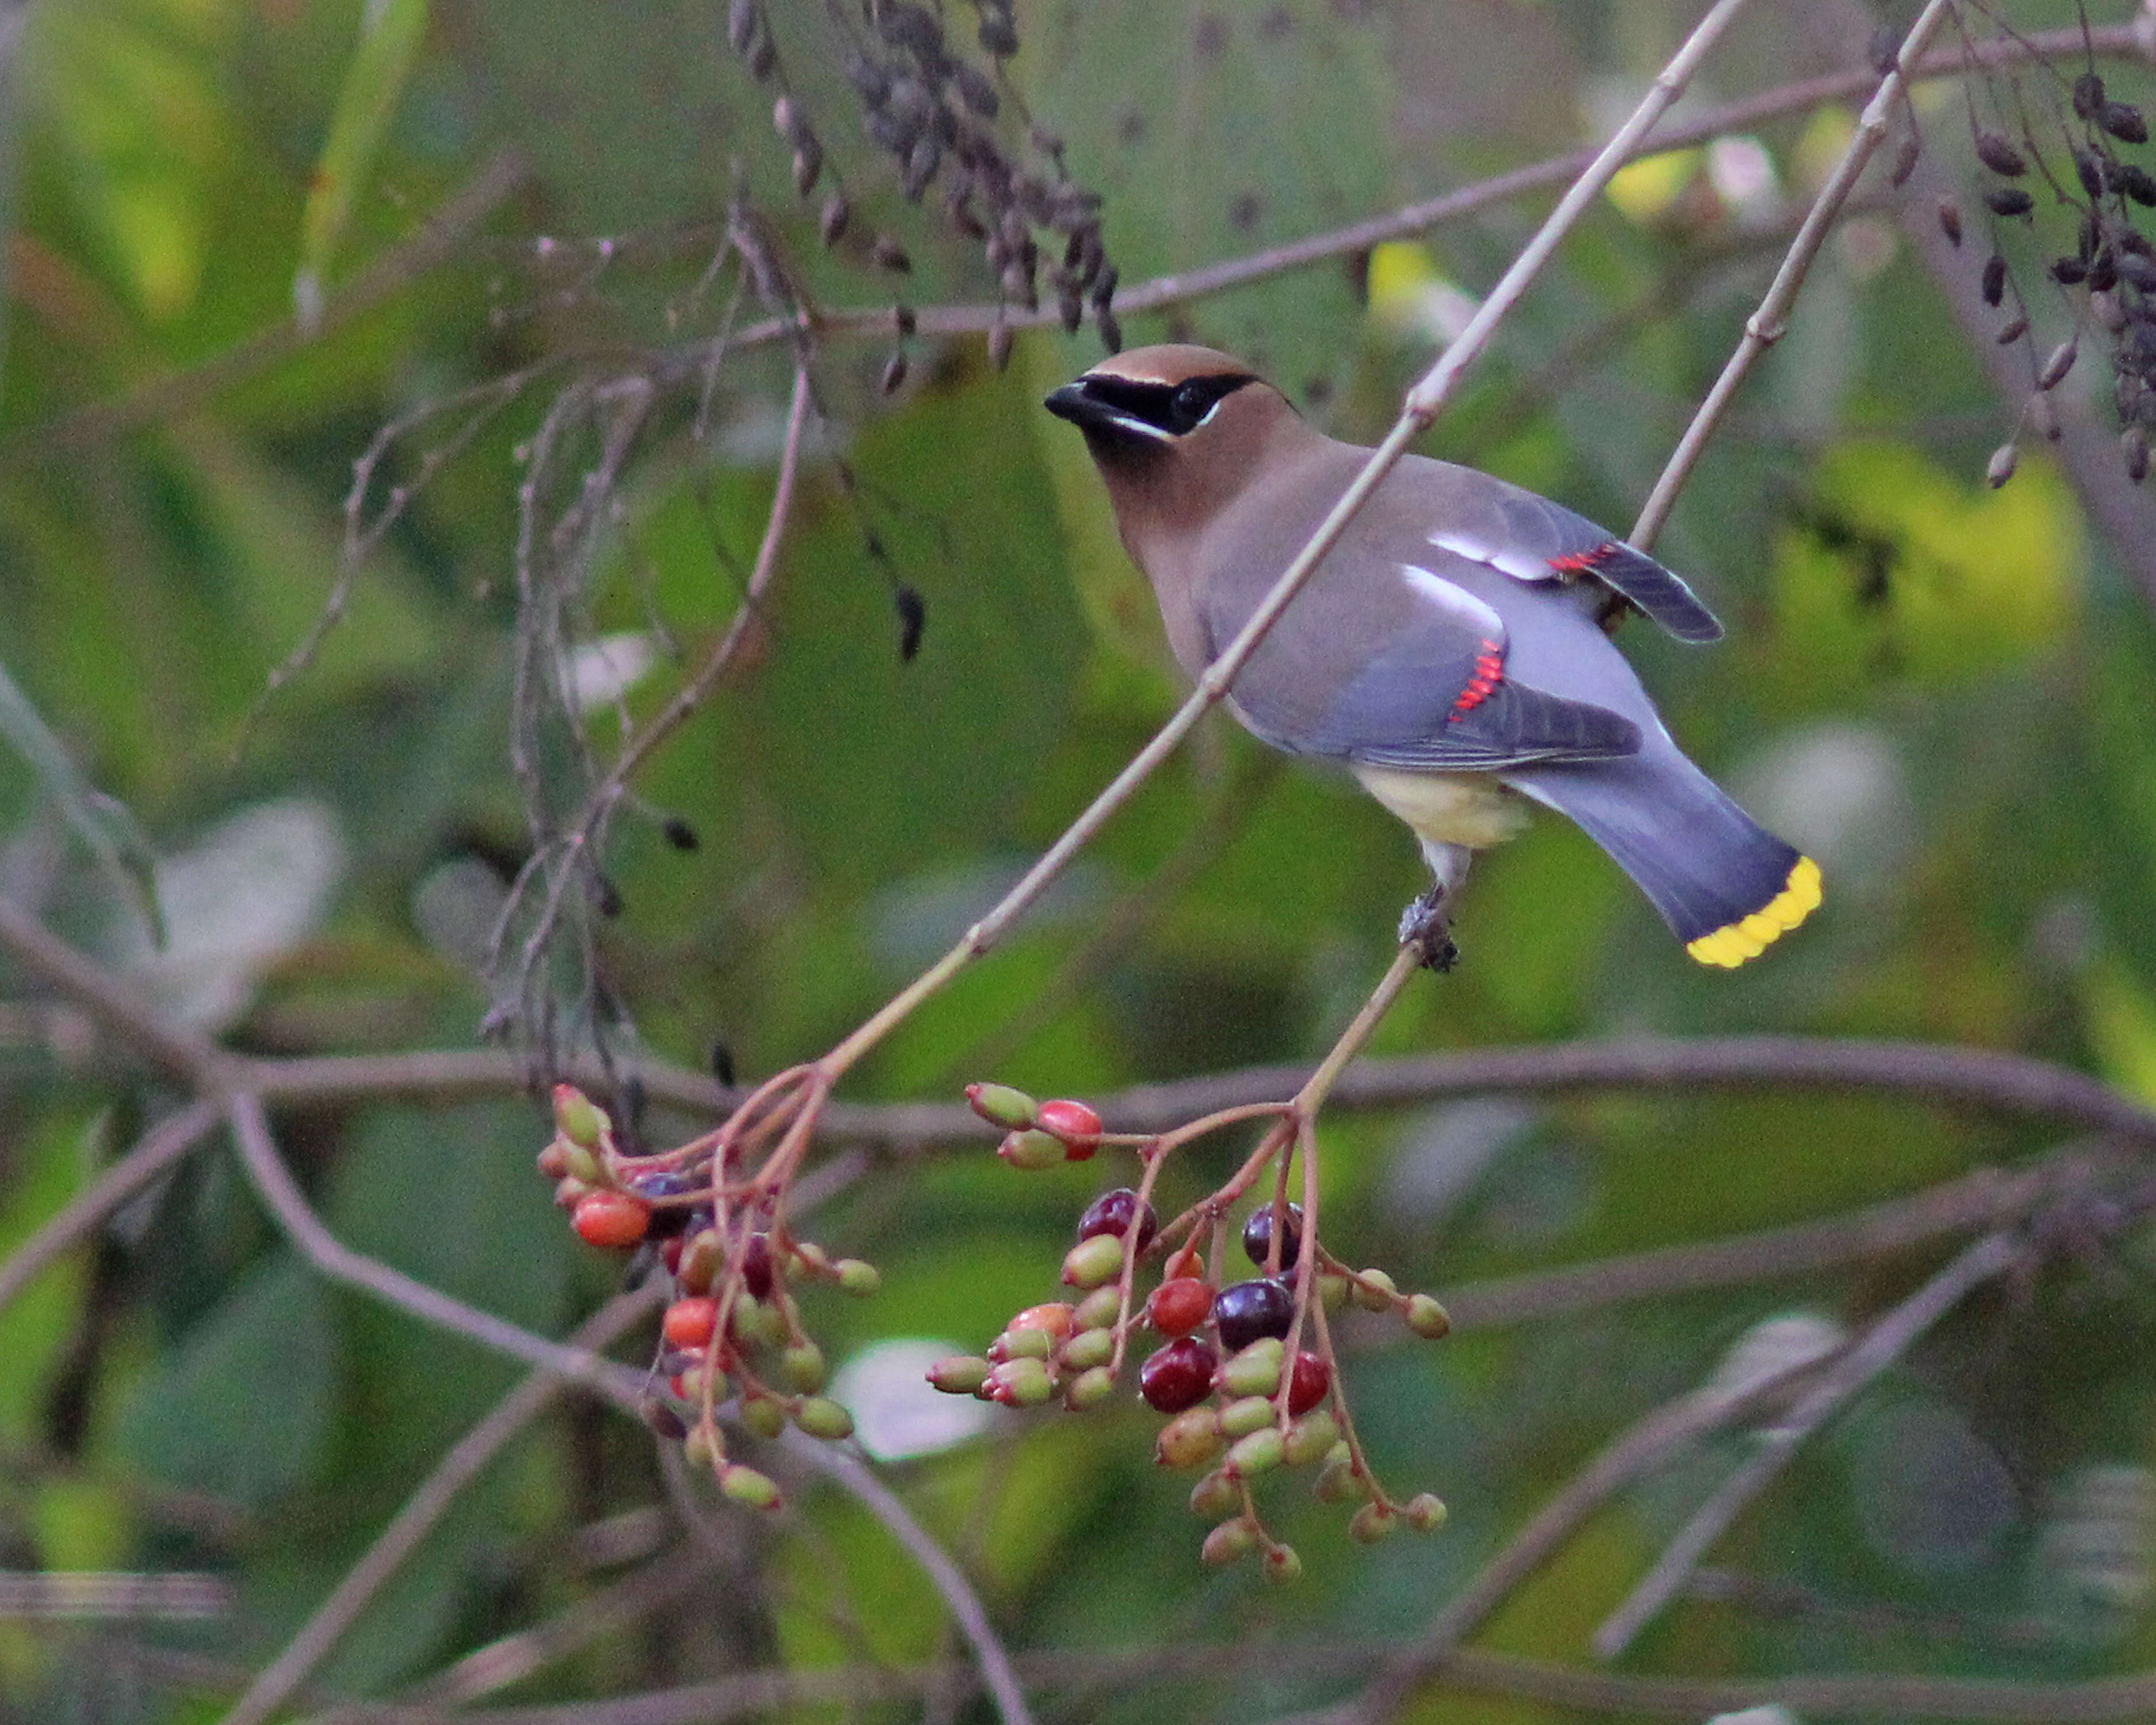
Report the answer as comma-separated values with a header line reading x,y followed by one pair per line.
x,y
1194,400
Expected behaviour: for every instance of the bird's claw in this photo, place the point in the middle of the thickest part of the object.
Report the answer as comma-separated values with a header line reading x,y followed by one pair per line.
x,y
1425,924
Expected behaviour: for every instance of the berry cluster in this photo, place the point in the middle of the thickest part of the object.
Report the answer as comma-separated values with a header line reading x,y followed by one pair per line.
x,y
935,114
2111,269
1243,1397
733,1328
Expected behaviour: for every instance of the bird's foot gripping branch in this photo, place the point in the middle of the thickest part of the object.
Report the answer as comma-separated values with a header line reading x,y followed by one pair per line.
x,y
718,1230
1246,1369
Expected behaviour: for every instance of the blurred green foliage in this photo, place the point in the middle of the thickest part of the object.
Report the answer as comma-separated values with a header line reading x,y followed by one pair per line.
x,y
1943,693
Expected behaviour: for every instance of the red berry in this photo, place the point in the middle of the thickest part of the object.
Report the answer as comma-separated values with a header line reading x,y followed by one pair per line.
x,y
1077,1125
756,1265
1055,1318
1246,1311
1179,1305
1258,1235
1312,1378
1112,1213
691,1323
1178,1376
610,1219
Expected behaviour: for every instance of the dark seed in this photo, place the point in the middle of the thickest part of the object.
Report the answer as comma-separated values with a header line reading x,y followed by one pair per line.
x,y
2001,157
2134,442
975,90
722,1063
2067,271
2136,184
808,167
2104,272
831,222
903,321
2013,332
998,35
2088,96
1104,289
1111,331
663,1419
1906,154
2124,122
870,79
1994,280
761,58
1950,224
2000,467
678,832
893,374
912,28
1070,309
606,896
912,618
2056,368
2088,167
2008,201
889,254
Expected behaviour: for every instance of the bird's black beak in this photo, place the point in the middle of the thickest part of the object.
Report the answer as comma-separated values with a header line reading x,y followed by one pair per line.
x,y
1105,419
1072,402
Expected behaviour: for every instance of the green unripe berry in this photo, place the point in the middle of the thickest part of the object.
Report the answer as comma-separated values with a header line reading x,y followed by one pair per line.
x,y
764,1415
746,1486
1258,1453
1026,1383
858,1277
1193,1438
1331,1289
821,1417
1282,1563
959,1373
1089,1348
1099,1310
999,1105
1031,1152
1310,1438
1371,1522
1215,1496
1428,1319
578,1118
1373,1290
1426,1512
579,1163
1253,1413
1256,1370
1091,1262
1024,1344
1090,1388
1228,1543
701,1447
802,1365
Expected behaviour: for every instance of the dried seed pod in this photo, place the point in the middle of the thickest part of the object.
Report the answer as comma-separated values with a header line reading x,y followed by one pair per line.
x,y
2043,417
958,210
2014,331
1950,222
2137,269
1104,288
1906,155
2134,441
2000,467
1070,308
1994,278
903,319
1884,52
999,344
832,221
1111,331
2128,393
998,34
2088,96
2000,156
2056,367
1046,141
889,131
2136,183
2008,201
1017,282
889,254
2104,272
808,167
762,57
2088,168
976,89
912,619
741,25
911,103
787,120
915,28
922,162
894,372
2129,239
2068,271
2124,122
2105,309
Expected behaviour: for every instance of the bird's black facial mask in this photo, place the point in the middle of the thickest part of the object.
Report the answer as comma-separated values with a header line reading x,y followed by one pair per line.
x,y
1129,412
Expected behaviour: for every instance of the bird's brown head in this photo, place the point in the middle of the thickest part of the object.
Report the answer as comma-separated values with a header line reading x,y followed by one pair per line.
x,y
1176,432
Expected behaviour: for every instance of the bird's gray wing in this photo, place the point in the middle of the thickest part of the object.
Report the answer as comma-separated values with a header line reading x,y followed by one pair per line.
x,y
1434,695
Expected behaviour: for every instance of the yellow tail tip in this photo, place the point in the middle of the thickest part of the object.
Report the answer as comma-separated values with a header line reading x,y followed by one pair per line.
x,y
1732,944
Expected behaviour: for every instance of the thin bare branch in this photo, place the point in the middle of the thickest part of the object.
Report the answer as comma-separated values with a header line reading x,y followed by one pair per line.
x,y
258,1155
1884,1343
1767,326
422,1512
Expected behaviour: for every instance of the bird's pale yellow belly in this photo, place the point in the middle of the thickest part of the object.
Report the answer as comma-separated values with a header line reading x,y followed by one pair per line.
x,y
1467,809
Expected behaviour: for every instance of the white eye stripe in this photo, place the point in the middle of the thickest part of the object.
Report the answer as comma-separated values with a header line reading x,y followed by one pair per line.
x,y
1521,566
1454,601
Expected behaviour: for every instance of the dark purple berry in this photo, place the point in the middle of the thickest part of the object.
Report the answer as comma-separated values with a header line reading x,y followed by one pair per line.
x,y
1248,1311
756,1265
1179,1375
666,1219
2008,201
1112,1212
1258,1235
2124,122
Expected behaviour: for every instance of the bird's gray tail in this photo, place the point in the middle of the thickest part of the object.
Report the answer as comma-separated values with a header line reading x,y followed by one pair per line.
x,y
1726,886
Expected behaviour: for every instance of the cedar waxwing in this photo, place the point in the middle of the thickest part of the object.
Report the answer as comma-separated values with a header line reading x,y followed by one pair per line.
x,y
1450,650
